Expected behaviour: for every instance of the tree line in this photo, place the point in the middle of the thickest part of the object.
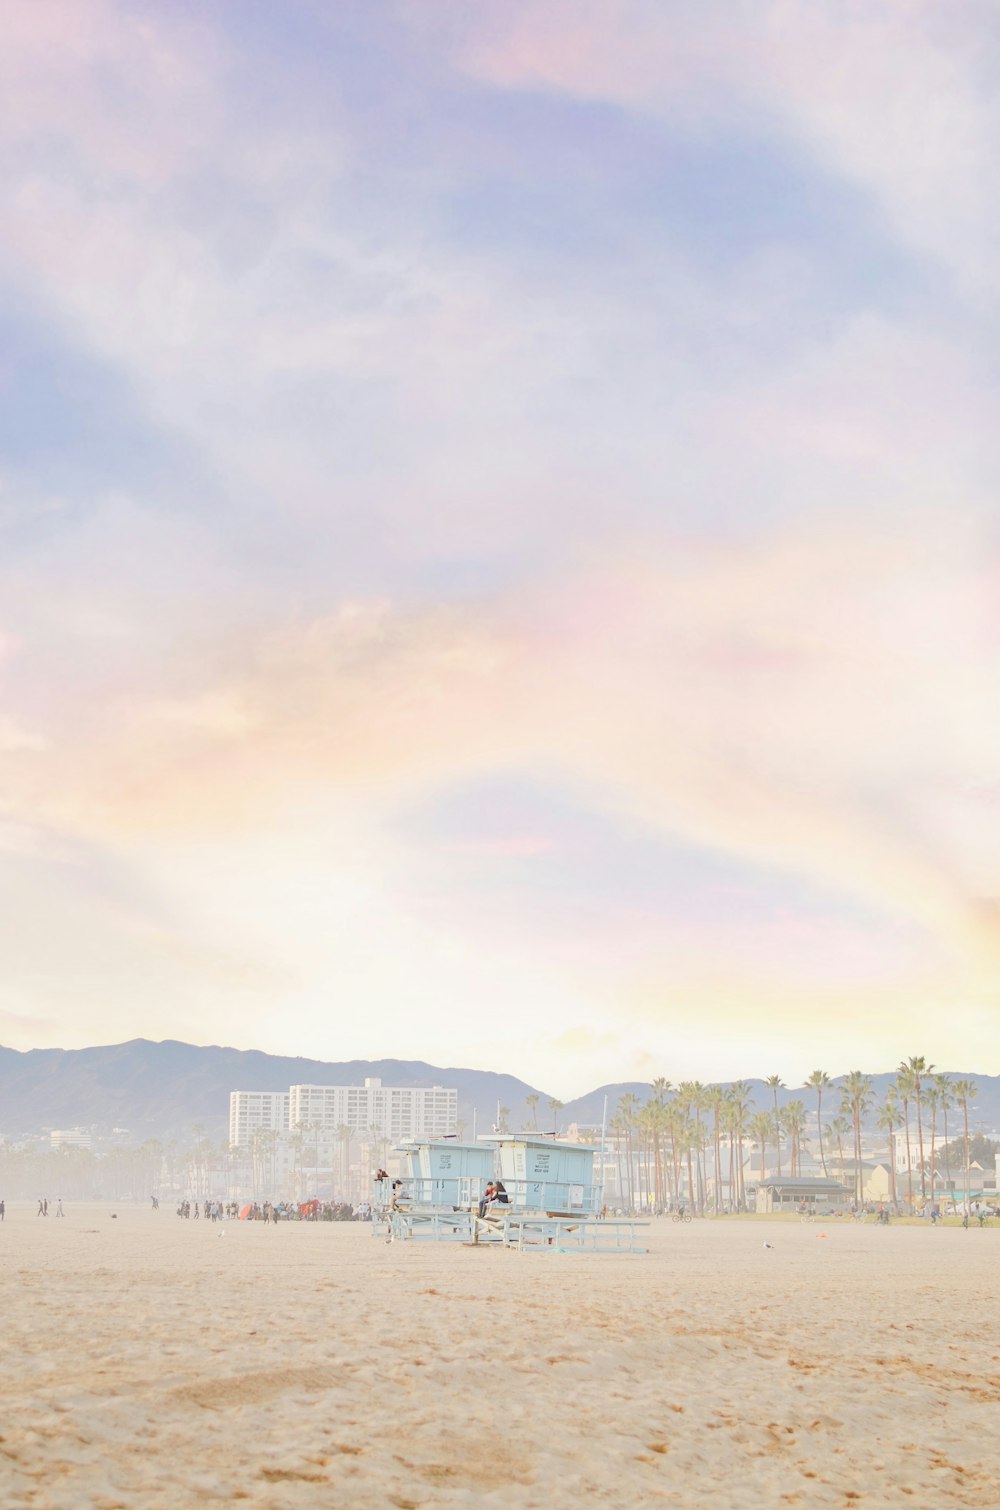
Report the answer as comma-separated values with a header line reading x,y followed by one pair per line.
x,y
678,1142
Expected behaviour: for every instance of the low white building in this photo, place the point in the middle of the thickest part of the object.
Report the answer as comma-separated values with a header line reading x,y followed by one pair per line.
x,y
71,1137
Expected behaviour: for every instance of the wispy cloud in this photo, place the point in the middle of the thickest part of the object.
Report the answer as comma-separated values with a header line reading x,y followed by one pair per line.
x,y
498,508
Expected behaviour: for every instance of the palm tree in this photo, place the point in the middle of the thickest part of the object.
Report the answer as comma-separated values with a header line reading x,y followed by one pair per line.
x,y
661,1089
904,1089
947,1098
888,1117
688,1093
617,1127
793,1120
774,1084
698,1105
297,1143
532,1103
819,1081
761,1128
837,1128
741,1100
716,1098
648,1124
933,1098
918,1066
555,1107
344,1139
856,1099
675,1125
728,1115
628,1107
966,1091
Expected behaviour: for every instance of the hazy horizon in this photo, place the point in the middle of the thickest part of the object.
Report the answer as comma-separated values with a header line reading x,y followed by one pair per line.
x,y
498,533
566,1094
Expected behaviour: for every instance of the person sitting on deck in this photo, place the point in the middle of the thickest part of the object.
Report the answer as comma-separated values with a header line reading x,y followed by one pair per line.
x,y
495,1194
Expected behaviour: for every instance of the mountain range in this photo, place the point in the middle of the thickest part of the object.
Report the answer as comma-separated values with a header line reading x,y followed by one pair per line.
x,y
168,1089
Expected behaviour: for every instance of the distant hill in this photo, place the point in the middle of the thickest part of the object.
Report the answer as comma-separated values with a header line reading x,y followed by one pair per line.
x,y
164,1089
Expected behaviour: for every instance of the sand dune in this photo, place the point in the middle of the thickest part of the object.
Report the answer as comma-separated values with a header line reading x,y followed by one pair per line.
x,y
153,1362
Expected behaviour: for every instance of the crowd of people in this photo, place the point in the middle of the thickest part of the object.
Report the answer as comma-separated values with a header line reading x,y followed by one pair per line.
x,y
274,1211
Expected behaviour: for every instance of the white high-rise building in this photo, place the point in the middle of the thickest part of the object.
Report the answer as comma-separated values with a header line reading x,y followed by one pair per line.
x,y
386,1111
393,1112
256,1111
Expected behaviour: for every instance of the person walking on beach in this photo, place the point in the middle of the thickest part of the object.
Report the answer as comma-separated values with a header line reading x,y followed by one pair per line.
x,y
3,1210
59,1210
41,1209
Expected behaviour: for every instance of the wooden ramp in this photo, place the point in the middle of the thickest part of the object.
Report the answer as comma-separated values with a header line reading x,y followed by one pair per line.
x,y
557,1234
505,1228
422,1224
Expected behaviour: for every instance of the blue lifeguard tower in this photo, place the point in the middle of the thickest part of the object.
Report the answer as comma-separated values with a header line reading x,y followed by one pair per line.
x,y
541,1175
446,1173
549,1201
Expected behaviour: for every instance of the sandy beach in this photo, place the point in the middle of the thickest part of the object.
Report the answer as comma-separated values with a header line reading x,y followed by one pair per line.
x,y
152,1361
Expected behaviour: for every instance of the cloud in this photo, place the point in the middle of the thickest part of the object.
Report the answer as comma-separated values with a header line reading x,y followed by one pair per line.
x,y
789,702
13,738
894,99
573,399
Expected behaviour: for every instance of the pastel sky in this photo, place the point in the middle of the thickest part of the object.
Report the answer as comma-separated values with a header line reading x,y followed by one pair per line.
x,y
499,552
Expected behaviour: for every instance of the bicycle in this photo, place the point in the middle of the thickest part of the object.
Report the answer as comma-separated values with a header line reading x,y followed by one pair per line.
x,y
680,1216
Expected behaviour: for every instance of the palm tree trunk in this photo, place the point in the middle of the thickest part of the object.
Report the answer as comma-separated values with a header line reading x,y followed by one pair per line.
x,y
920,1142
909,1160
718,1163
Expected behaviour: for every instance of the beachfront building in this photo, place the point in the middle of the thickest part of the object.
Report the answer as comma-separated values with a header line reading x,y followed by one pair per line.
x,y
788,1194
252,1112
328,1139
71,1137
391,1112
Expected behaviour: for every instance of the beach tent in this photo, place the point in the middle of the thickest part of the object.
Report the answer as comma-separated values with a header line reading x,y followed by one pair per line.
x,y
245,1212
